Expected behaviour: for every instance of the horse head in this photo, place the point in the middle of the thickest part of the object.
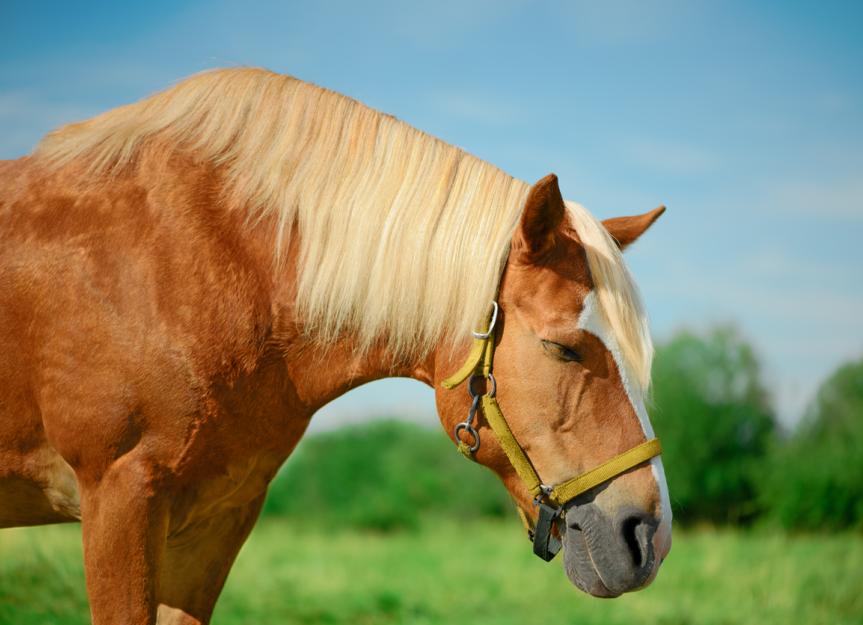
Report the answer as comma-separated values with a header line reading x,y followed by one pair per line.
x,y
571,362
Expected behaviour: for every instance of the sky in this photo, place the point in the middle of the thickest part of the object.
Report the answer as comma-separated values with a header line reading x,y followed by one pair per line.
x,y
744,118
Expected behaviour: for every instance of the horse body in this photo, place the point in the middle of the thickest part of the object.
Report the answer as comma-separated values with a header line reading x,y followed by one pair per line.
x,y
157,369
139,339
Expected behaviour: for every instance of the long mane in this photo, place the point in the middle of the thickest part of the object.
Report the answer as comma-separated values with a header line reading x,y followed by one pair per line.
x,y
402,237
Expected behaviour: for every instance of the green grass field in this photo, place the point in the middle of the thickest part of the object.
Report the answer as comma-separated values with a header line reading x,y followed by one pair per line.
x,y
481,572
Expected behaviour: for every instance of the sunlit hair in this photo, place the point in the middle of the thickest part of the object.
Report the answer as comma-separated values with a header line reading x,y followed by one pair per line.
x,y
403,237
619,299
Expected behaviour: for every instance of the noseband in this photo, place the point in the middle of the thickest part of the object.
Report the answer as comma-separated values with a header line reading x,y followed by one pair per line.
x,y
550,500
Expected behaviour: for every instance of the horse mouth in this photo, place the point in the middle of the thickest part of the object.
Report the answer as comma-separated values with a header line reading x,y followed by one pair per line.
x,y
580,567
607,558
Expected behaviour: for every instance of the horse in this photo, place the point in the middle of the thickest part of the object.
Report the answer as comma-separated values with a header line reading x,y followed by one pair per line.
x,y
185,280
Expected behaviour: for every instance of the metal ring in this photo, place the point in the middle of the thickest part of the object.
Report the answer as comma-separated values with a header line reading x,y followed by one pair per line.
x,y
475,394
471,431
487,333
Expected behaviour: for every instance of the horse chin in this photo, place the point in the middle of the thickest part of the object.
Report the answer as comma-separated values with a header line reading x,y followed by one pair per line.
x,y
579,566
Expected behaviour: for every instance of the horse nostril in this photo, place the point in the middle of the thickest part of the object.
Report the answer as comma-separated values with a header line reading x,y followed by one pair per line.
x,y
637,532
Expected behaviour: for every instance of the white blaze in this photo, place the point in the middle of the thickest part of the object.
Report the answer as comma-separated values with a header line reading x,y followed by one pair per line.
x,y
593,321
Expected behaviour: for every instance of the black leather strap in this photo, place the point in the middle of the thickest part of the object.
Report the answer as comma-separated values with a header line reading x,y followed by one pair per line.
x,y
545,544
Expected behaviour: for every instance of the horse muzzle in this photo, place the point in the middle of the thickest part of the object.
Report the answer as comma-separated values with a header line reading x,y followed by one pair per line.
x,y
607,556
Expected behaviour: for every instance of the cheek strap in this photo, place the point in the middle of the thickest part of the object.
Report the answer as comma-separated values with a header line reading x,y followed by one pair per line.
x,y
549,499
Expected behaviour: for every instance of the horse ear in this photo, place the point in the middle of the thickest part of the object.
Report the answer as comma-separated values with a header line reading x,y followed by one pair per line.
x,y
543,213
626,230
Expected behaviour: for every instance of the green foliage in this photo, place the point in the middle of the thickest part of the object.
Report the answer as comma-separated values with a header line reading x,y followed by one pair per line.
x,y
713,416
383,475
815,480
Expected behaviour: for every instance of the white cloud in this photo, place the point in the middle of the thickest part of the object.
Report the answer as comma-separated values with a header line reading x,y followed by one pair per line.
x,y
616,22
26,116
834,102
835,199
475,107
445,23
672,158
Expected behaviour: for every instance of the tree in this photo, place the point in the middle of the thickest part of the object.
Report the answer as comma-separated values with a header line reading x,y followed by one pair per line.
x,y
815,479
713,415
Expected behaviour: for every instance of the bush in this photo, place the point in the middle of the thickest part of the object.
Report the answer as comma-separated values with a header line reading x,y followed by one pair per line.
x,y
383,475
712,413
815,479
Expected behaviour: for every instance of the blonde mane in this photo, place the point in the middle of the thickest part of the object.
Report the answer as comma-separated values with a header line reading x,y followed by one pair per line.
x,y
402,236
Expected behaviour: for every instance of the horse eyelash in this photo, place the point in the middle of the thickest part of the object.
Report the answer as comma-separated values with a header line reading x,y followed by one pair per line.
x,y
561,352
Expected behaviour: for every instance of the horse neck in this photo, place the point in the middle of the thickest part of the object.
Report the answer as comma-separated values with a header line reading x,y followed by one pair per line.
x,y
320,374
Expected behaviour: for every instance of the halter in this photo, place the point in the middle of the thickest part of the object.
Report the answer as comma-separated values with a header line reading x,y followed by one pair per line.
x,y
549,499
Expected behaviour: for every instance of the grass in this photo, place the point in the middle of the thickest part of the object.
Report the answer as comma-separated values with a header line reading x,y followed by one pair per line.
x,y
481,572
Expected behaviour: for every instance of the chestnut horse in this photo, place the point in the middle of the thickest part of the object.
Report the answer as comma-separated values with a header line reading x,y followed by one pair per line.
x,y
184,281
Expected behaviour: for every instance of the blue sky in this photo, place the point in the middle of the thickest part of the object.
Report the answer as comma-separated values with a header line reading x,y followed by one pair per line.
x,y
745,118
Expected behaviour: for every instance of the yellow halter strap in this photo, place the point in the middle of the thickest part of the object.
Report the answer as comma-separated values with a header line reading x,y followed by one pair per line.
x,y
479,365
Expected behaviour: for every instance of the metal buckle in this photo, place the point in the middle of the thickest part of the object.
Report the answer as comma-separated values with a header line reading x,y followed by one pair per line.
x,y
544,491
487,333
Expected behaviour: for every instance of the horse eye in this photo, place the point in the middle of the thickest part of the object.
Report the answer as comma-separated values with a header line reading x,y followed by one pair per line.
x,y
561,352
